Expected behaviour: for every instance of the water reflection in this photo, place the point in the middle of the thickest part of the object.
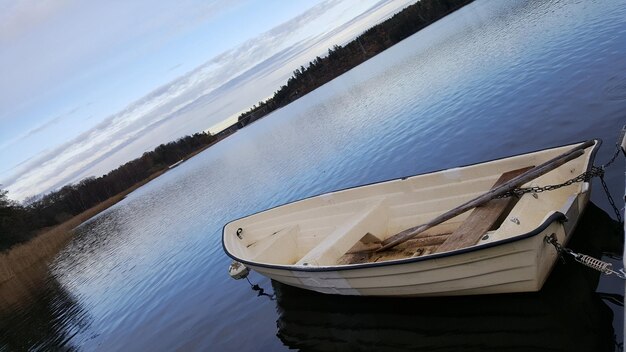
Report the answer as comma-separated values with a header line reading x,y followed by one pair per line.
x,y
567,315
491,80
37,313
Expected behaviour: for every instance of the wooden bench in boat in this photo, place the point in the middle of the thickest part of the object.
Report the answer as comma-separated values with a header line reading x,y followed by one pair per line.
x,y
415,247
483,218
371,222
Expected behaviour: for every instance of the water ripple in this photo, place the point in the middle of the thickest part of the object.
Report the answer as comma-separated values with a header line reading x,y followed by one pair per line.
x,y
494,79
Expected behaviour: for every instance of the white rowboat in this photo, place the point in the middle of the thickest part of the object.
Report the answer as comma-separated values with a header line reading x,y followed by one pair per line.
x,y
331,243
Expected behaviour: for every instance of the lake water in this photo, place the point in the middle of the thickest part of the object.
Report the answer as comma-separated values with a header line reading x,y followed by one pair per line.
x,y
493,79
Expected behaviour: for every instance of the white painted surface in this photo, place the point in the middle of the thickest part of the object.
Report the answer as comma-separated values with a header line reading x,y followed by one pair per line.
x,y
321,229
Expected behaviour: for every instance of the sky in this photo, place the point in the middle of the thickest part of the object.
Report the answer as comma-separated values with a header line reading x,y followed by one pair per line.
x,y
89,85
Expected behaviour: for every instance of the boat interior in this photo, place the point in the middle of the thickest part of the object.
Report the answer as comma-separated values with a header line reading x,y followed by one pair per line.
x,y
347,227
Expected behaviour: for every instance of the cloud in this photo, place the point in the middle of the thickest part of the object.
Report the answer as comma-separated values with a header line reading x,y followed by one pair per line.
x,y
39,128
17,17
58,45
175,67
214,91
50,122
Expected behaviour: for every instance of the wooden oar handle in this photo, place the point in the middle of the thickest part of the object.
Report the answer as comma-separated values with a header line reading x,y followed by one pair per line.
x,y
493,193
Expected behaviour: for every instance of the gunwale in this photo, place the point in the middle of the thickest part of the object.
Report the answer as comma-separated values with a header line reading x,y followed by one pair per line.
x,y
555,216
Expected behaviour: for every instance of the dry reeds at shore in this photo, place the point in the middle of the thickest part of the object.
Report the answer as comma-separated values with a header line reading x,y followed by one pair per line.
x,y
48,243
43,247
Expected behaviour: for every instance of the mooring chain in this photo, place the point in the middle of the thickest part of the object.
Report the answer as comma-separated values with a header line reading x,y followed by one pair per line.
x,y
584,177
586,260
618,214
618,150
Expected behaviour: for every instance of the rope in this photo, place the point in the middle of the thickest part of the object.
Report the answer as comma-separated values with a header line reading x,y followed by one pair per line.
x,y
256,287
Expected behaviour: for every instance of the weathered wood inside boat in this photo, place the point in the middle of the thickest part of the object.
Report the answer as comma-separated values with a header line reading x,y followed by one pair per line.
x,y
410,249
326,243
493,193
486,217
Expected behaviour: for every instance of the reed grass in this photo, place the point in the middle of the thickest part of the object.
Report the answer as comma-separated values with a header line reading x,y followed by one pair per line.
x,y
47,244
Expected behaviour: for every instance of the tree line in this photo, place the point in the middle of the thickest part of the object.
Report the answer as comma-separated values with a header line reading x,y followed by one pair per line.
x,y
343,58
20,222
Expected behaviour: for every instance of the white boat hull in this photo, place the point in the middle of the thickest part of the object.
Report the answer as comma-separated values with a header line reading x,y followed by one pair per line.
x,y
506,262
520,266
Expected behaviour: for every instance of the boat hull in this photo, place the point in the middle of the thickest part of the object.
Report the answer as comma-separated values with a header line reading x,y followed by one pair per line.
x,y
503,262
517,266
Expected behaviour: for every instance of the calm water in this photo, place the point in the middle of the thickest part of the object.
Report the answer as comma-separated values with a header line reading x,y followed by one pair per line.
x,y
494,79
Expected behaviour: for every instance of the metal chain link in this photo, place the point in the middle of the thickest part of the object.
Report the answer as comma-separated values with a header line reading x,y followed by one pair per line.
x,y
618,149
586,260
584,177
618,214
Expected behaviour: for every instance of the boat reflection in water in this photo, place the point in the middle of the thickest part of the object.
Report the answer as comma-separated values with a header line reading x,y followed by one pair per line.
x,y
566,315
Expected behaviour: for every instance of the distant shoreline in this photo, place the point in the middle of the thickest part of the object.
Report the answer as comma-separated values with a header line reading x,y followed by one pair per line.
x,y
47,244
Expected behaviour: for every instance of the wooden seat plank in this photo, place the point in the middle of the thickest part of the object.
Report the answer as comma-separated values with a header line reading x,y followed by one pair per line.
x,y
482,218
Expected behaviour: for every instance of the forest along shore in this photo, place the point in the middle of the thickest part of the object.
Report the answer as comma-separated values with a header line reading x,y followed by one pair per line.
x,y
48,242
36,231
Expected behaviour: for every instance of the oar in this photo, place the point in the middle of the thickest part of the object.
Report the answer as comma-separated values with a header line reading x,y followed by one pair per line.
x,y
493,193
